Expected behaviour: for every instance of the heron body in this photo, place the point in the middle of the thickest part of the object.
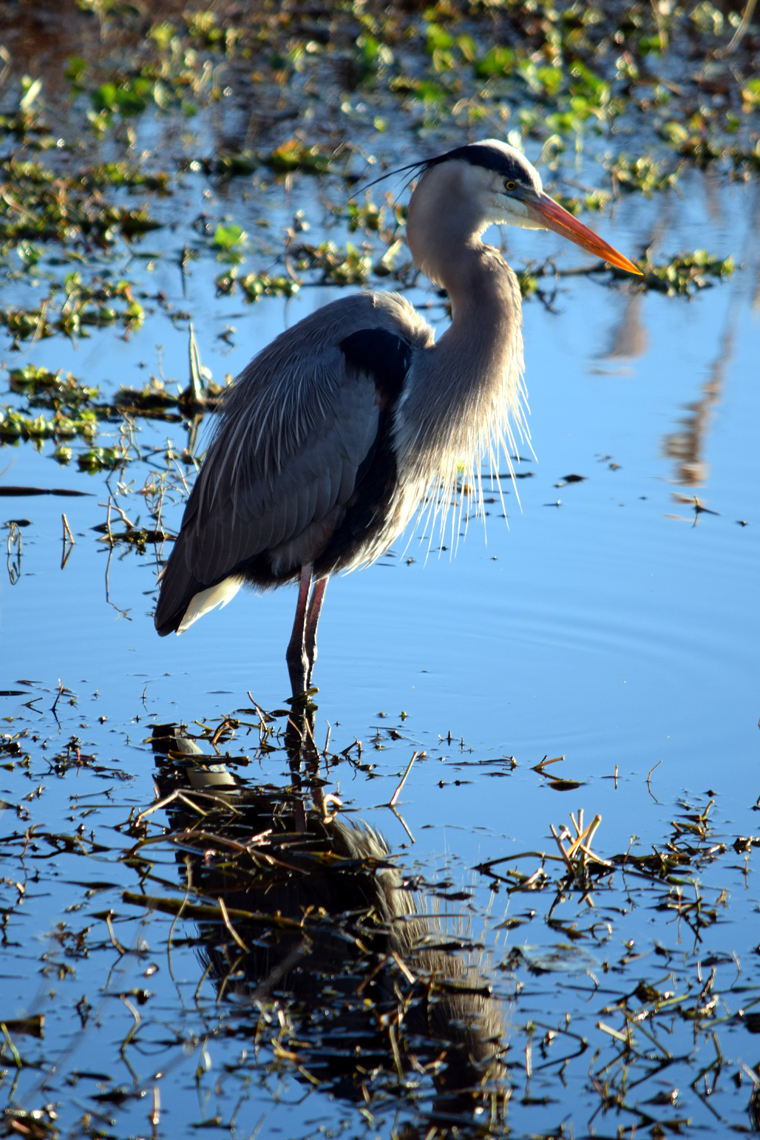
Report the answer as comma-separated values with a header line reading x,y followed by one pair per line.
x,y
331,438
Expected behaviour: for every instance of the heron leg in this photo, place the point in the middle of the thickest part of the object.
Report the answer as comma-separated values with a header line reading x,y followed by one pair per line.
x,y
310,629
296,657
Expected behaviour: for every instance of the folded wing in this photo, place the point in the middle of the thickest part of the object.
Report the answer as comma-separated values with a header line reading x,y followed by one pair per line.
x,y
296,436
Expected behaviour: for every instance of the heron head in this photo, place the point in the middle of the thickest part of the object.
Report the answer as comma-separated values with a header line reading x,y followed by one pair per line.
x,y
489,182
493,178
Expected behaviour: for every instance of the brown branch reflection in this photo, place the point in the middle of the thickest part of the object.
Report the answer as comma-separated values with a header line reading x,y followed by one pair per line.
x,y
628,340
687,446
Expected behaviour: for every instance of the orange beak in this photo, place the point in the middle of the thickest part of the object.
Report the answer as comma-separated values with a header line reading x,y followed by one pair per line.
x,y
548,213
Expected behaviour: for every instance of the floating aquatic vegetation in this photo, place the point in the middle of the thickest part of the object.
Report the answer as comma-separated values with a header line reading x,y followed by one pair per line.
x,y
682,275
293,155
73,307
255,285
565,73
55,390
125,174
687,272
38,204
640,174
338,267
15,426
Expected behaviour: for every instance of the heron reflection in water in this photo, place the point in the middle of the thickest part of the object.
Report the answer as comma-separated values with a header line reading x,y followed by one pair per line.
x,y
333,436
380,994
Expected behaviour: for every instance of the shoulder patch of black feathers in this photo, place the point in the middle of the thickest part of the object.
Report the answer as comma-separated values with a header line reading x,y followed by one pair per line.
x,y
379,354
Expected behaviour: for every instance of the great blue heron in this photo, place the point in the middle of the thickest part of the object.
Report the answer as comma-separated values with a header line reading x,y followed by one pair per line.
x,y
331,438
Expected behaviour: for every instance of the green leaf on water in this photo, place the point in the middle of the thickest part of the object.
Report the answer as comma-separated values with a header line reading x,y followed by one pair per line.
x,y
227,237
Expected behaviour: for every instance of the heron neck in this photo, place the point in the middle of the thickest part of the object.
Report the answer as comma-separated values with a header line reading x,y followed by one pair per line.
x,y
485,299
478,348
446,245
464,390
472,374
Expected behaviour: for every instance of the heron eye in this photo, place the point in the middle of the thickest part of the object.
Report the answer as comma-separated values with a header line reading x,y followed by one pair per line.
x,y
510,185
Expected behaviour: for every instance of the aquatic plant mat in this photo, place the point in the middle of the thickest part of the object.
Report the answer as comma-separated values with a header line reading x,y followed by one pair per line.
x,y
226,955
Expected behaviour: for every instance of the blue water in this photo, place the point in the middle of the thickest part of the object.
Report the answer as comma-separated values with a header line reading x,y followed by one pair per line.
x,y
608,622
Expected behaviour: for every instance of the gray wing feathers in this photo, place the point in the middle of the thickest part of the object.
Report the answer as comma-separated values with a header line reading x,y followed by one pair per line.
x,y
291,436
246,507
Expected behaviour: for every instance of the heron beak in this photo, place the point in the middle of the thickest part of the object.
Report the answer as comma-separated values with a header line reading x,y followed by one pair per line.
x,y
548,213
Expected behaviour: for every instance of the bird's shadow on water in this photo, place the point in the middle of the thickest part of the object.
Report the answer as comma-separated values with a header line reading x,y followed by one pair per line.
x,y
318,948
